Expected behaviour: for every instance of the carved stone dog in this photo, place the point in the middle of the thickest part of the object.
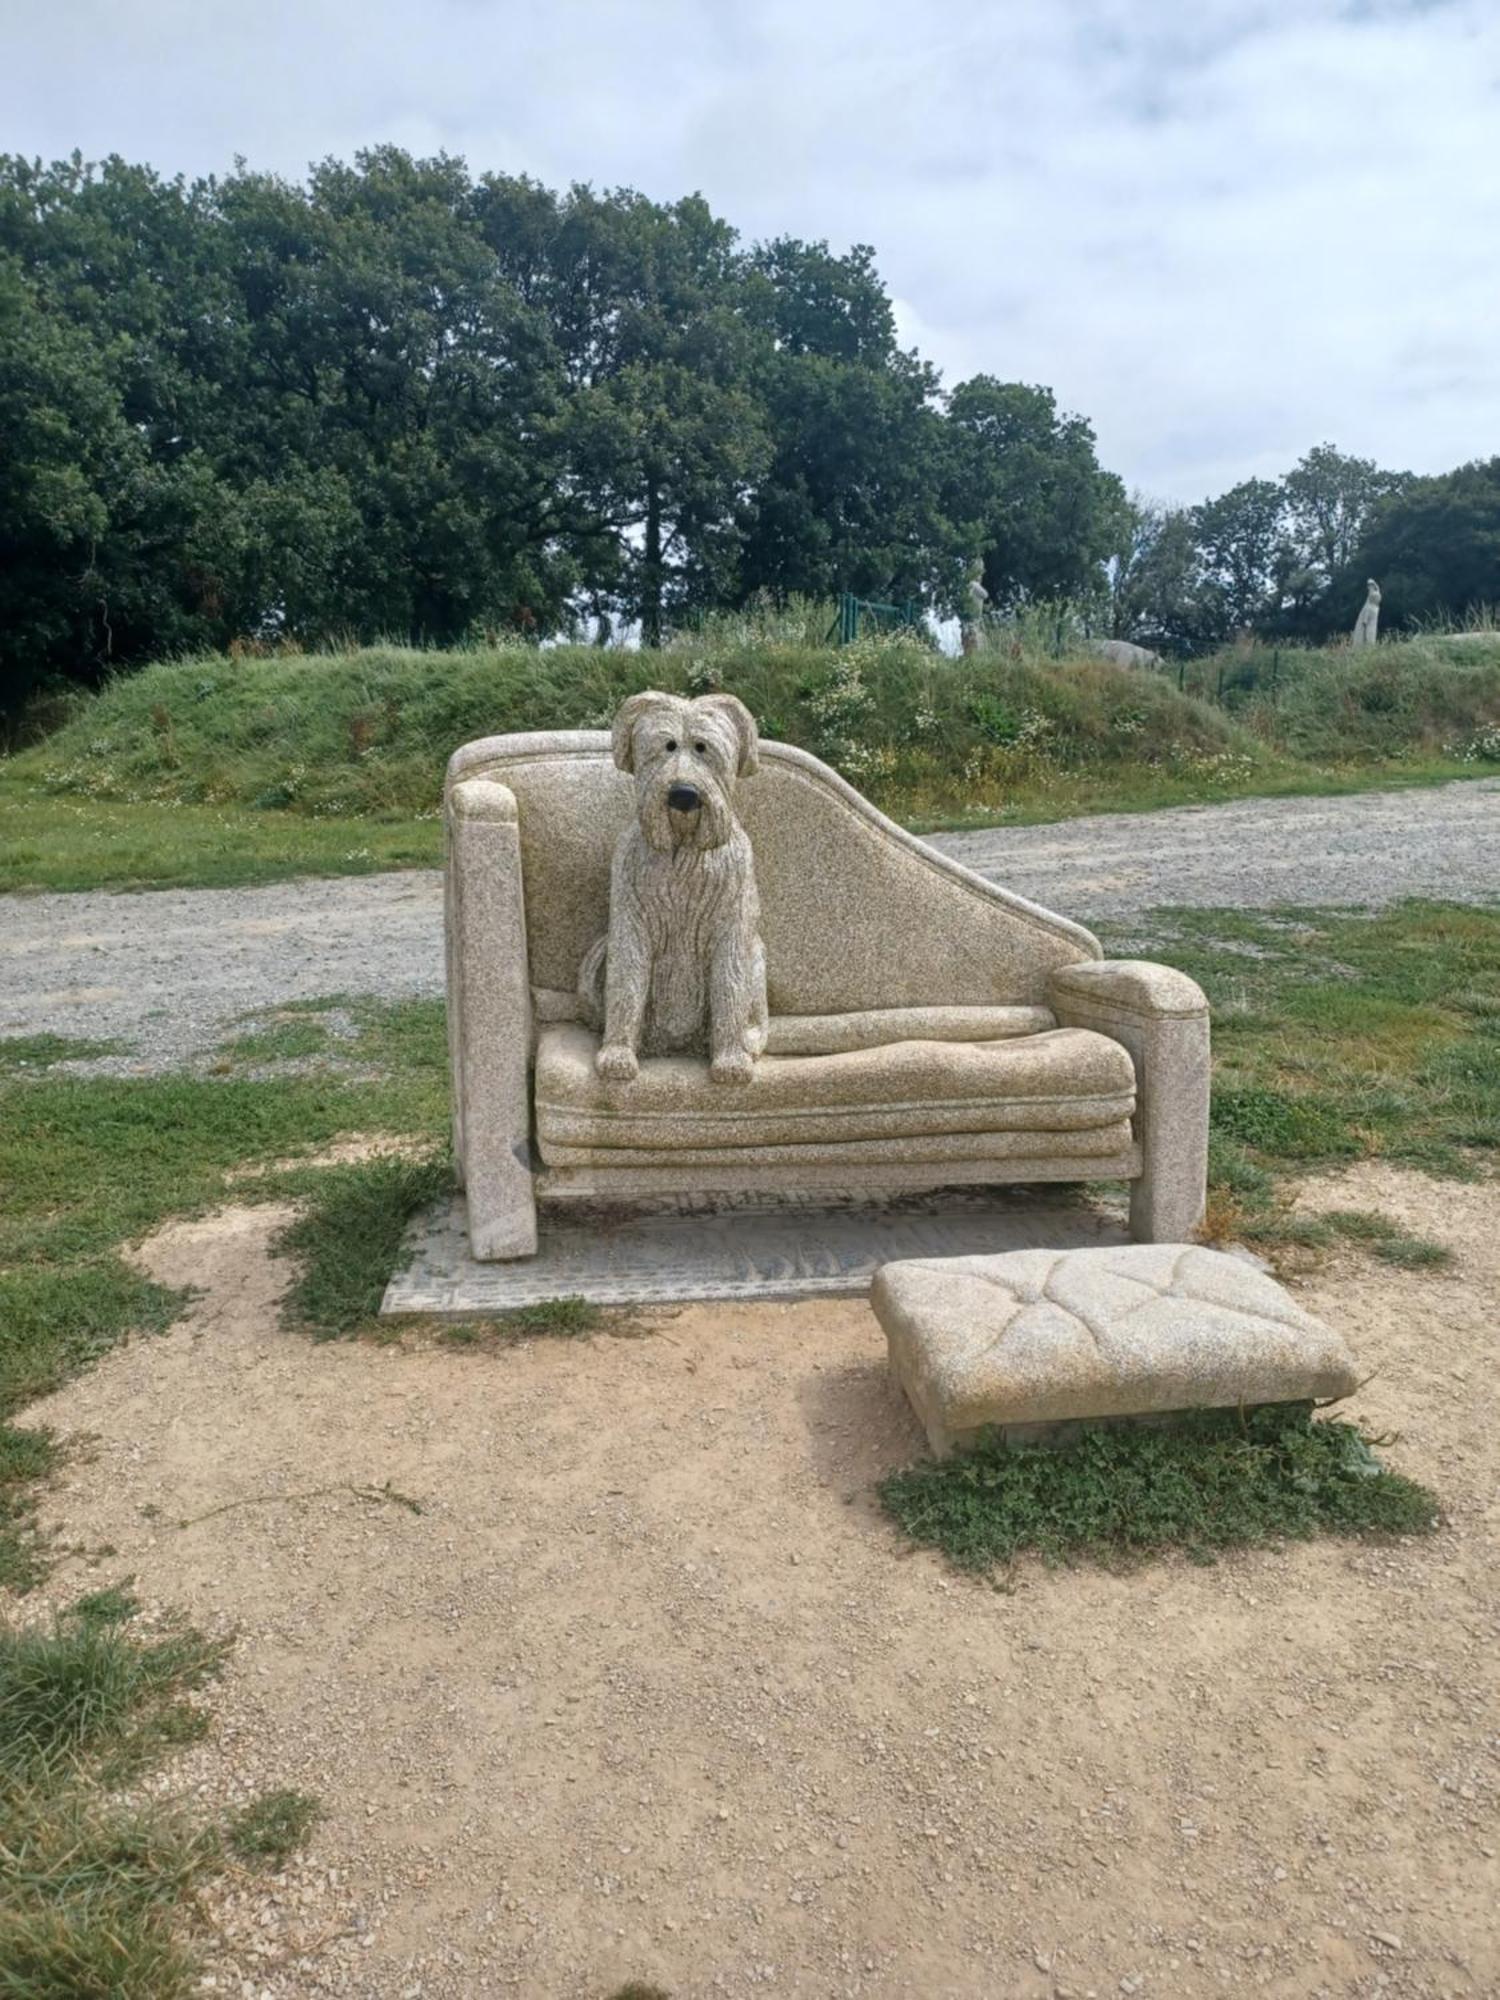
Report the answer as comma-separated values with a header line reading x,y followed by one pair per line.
x,y
681,969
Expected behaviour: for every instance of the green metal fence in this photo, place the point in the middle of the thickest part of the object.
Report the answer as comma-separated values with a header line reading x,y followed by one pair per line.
x,y
857,612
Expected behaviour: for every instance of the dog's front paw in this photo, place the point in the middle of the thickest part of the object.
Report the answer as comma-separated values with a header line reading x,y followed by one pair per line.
x,y
733,1066
616,1063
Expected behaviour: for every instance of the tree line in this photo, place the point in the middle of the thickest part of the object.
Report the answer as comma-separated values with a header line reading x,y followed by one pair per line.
x,y
400,400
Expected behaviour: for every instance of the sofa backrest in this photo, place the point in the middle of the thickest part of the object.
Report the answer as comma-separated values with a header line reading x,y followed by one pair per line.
x,y
856,912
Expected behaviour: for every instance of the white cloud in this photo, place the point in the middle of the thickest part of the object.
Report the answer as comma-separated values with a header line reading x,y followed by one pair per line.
x,y
1222,232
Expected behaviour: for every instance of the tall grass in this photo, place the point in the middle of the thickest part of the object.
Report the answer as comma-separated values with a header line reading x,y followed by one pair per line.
x,y
368,732
1016,725
1437,694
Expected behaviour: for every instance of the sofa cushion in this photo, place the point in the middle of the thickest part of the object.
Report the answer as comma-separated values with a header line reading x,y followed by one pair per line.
x,y
1072,1088
871,1027
1039,1337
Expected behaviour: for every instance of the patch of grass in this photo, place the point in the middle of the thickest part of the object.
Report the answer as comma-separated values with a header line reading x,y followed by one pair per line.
x,y
85,1690
349,1236
1385,1238
272,1827
86,1910
53,841
59,1317
21,1054
114,1605
1340,1035
549,1319
1223,1479
1414,1253
90,1886
88,1164
280,1041
26,1457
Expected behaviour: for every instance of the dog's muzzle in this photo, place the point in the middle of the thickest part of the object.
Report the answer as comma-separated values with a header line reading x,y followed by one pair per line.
x,y
684,799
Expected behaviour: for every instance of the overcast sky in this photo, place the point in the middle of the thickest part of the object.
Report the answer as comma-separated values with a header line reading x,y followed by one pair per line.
x,y
1221,229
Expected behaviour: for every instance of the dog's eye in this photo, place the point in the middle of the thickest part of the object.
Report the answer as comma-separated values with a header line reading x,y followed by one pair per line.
x,y
701,748
671,742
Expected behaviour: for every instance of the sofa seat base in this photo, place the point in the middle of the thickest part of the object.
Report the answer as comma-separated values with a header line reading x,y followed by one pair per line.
x,y
1063,1095
596,1184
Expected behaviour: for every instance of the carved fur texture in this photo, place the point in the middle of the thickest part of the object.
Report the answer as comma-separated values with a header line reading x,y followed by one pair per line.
x,y
681,969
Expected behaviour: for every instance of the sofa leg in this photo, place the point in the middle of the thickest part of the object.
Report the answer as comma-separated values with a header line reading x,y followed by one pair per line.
x,y
1165,1208
502,1221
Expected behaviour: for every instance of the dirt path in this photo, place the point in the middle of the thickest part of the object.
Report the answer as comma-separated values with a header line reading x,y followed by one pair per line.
x,y
649,1689
165,971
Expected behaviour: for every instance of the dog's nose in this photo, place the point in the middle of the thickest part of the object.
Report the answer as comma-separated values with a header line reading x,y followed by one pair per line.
x,y
683,799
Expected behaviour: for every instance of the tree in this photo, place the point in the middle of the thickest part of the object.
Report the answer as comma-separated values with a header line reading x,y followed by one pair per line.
x,y
1026,483
1243,554
849,498
1330,499
1434,547
1157,595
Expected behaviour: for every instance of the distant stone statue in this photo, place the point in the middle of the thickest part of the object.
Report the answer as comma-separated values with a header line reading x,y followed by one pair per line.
x,y
1368,622
972,624
1124,654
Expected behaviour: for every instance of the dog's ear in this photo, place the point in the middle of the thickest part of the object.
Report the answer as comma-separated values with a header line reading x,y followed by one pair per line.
x,y
743,722
622,729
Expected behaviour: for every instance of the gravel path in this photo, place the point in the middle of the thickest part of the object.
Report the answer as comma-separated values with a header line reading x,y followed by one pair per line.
x,y
166,971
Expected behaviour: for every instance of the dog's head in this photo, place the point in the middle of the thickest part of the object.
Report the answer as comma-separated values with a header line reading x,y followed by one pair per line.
x,y
686,757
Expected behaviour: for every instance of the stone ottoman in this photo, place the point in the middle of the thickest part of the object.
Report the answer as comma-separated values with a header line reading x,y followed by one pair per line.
x,y
1036,1339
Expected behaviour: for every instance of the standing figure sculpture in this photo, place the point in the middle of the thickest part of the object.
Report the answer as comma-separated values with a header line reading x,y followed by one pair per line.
x,y
971,626
681,969
1368,622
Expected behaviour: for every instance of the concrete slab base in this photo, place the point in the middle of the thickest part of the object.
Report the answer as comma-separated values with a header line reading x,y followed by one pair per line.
x,y
745,1247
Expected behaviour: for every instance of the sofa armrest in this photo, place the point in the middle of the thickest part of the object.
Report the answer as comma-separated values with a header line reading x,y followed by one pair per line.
x,y
489,1017
1129,986
1161,1017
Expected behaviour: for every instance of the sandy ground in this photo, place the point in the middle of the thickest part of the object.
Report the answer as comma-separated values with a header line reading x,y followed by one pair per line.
x,y
167,971
649,1689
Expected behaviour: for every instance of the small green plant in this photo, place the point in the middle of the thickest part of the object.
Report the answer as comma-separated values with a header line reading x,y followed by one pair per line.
x,y
565,1319
26,1456
272,1827
116,1604
1414,1253
1219,1479
548,1319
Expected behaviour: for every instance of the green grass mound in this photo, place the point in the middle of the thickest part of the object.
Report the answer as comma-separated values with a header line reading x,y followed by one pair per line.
x,y
1434,695
1219,1480
369,732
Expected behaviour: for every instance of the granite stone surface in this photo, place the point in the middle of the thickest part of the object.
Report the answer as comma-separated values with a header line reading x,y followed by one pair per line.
x,y
754,1248
926,1026
1050,1336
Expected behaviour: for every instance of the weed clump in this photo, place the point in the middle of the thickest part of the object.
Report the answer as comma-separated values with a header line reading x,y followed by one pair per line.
x,y
89,1887
272,1827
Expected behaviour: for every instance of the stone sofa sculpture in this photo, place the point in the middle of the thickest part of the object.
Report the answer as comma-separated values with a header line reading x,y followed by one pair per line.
x,y
927,1027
